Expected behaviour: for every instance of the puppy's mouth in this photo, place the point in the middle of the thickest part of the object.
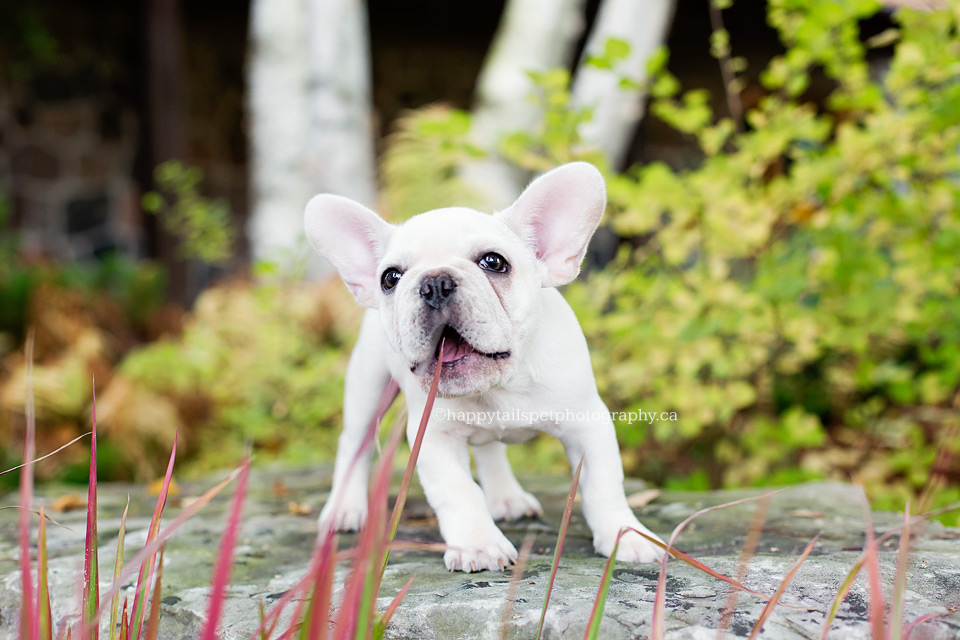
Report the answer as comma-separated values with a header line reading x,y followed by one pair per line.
x,y
456,350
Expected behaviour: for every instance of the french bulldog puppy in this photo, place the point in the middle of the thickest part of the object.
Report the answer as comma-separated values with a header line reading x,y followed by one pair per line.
x,y
515,360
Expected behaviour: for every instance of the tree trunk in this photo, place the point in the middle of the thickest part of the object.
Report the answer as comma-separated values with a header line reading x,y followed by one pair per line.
x,y
310,119
340,145
644,24
167,132
534,35
278,117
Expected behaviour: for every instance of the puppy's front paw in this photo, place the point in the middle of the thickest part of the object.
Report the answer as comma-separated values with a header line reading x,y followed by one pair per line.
x,y
632,547
496,554
345,518
514,506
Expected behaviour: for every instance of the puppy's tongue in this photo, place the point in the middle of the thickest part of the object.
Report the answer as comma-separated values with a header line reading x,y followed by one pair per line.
x,y
454,346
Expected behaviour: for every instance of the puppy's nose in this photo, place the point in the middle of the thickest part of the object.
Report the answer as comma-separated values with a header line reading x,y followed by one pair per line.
x,y
437,290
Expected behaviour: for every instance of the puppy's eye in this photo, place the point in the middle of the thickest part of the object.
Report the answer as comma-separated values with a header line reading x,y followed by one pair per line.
x,y
390,278
494,262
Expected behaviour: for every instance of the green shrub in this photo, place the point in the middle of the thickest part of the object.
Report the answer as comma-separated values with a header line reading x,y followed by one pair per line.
x,y
794,297
254,365
202,225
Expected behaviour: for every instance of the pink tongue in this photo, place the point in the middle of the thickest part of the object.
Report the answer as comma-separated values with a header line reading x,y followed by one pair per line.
x,y
455,349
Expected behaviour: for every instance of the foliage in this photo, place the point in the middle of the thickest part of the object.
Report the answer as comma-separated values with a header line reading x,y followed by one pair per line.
x,y
138,288
202,225
799,287
794,297
357,615
420,163
254,364
556,139
84,316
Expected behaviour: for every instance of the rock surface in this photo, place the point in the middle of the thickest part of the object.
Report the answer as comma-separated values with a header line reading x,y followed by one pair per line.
x,y
275,544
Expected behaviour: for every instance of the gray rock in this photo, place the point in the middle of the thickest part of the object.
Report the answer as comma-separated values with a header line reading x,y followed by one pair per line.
x,y
275,546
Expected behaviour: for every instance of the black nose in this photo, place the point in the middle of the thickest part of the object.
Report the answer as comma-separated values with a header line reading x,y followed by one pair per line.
x,y
437,290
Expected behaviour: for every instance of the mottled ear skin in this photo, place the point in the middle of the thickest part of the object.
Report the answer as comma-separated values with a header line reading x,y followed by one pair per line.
x,y
557,215
353,238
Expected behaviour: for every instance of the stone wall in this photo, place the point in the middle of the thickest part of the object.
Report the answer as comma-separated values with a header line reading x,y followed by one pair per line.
x,y
69,128
75,127
67,169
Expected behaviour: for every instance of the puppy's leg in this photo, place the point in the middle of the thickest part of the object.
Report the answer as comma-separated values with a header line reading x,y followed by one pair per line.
x,y
506,499
474,542
367,376
601,485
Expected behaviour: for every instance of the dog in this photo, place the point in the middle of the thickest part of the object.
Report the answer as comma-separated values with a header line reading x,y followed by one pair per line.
x,y
515,360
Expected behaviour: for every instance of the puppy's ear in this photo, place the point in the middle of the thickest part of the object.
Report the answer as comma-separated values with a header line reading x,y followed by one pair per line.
x,y
557,215
351,237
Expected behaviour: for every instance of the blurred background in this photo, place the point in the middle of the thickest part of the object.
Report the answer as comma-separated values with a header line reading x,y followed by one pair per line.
x,y
778,266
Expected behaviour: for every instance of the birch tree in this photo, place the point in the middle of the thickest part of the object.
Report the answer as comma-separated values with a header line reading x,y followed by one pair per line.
x,y
644,25
534,35
309,110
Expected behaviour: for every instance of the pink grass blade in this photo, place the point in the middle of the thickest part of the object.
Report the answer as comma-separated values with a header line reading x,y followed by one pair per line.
x,y
659,601
45,456
409,545
389,394
28,609
877,607
324,537
151,548
900,582
787,579
299,588
45,620
221,571
296,621
36,512
596,614
855,570
395,603
516,574
317,626
313,571
153,620
561,538
908,629
117,565
356,615
841,596
264,635
265,632
124,623
345,628
146,569
414,452
693,562
356,610
91,577
746,554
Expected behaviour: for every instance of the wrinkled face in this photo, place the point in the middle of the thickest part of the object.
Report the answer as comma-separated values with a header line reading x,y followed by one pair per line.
x,y
463,278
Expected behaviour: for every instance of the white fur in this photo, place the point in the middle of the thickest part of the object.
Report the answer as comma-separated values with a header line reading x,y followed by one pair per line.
x,y
543,236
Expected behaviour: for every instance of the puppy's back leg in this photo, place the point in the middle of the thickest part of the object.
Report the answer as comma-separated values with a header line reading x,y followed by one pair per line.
x,y
367,377
506,499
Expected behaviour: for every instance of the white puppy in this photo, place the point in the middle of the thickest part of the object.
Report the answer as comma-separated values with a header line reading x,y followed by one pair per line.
x,y
515,361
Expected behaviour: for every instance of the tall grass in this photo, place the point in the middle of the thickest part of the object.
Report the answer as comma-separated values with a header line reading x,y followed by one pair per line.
x,y
356,618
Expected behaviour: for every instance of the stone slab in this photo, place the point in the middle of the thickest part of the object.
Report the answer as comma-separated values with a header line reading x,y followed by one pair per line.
x,y
275,546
